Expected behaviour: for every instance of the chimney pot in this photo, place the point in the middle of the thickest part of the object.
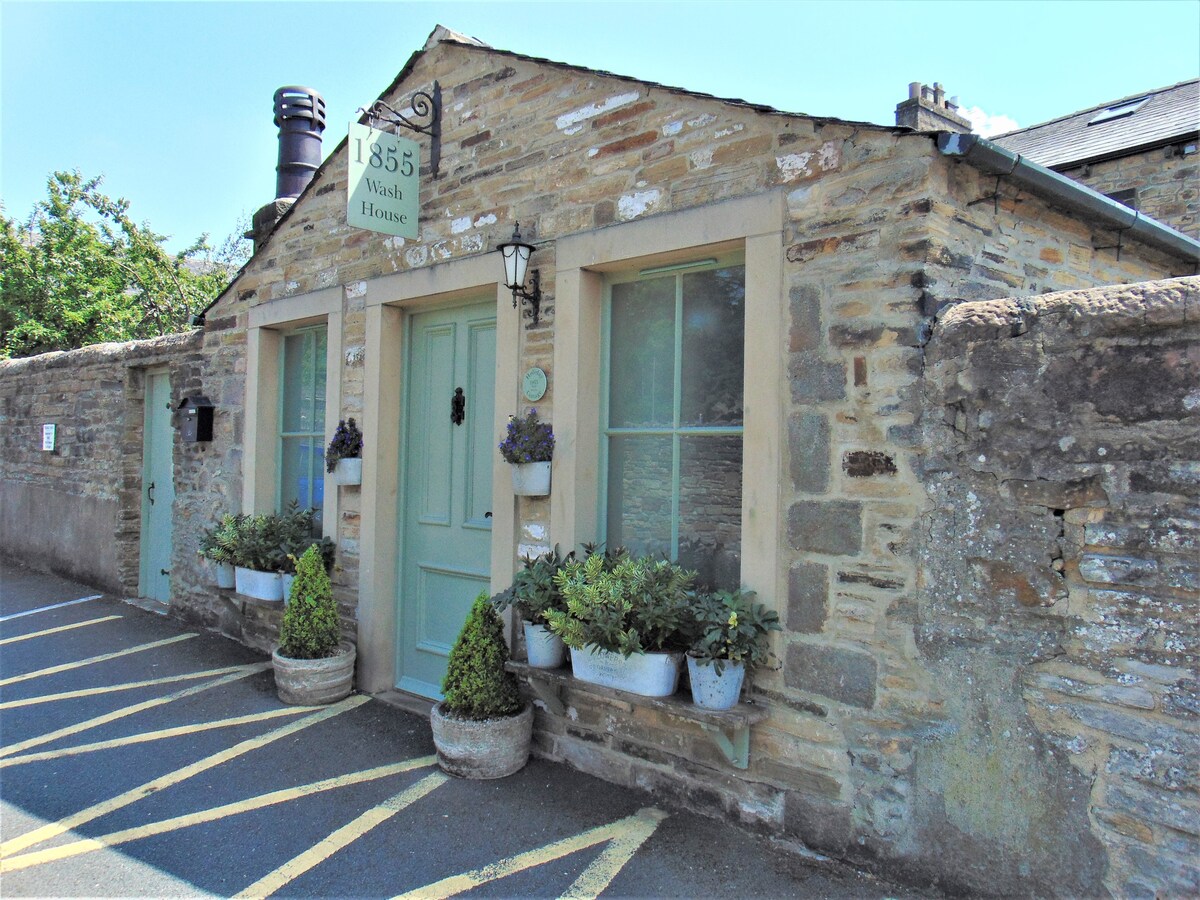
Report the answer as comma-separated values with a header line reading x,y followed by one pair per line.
x,y
914,90
300,116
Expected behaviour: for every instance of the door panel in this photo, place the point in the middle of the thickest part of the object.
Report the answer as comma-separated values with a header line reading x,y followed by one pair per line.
x,y
158,490
445,551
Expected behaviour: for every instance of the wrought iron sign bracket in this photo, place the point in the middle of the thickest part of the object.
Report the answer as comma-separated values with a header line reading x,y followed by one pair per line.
x,y
426,118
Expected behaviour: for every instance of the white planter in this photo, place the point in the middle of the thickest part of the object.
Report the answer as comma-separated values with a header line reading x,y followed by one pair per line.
x,y
531,479
286,583
544,647
647,674
713,691
348,471
225,575
259,585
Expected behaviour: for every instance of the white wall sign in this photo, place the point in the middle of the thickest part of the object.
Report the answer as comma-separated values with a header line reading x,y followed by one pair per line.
x,y
48,437
384,189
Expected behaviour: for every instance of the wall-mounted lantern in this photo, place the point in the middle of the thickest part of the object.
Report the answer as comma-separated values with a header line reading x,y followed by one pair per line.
x,y
196,419
516,255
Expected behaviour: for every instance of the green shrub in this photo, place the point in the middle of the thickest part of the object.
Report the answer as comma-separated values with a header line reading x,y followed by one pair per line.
x,y
310,628
732,628
476,685
533,591
217,543
623,605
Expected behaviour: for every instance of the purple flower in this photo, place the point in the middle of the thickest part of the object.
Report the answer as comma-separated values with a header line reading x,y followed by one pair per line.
x,y
528,440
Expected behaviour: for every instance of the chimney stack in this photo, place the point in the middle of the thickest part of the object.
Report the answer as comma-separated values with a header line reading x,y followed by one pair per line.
x,y
927,109
300,117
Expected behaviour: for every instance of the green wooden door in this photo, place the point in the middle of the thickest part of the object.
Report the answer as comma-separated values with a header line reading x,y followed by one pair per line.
x,y
446,526
158,489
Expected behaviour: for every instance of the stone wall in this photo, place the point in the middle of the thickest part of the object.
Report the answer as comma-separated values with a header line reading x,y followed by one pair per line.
x,y
77,510
1166,179
1059,573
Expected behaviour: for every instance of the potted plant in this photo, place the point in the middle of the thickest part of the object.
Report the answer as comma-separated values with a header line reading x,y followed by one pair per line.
x,y
627,621
295,530
343,456
482,728
731,637
313,665
216,545
529,447
533,593
259,557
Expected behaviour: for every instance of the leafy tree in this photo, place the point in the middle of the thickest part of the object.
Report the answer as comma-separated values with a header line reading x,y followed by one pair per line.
x,y
476,685
81,271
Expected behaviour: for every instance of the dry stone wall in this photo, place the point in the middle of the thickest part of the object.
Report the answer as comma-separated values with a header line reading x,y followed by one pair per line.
x,y
77,510
1059,564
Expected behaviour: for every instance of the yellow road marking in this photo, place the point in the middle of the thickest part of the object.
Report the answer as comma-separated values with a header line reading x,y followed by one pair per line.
x,y
124,686
116,838
240,672
160,735
341,838
620,850
66,667
630,832
54,829
60,628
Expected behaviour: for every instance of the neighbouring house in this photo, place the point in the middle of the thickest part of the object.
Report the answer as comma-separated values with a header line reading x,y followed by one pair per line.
x,y
780,344
1142,150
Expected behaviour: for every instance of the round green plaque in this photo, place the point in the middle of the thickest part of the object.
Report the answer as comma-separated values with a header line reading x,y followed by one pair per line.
x,y
534,384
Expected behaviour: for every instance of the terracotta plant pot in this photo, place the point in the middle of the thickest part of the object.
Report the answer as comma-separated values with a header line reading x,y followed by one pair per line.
x,y
488,748
314,682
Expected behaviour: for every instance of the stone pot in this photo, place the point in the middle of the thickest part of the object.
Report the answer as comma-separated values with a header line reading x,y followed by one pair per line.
x,y
313,682
713,691
647,674
259,585
488,748
544,647
531,479
348,471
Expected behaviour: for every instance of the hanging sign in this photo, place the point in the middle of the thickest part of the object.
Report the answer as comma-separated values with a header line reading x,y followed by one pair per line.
x,y
384,187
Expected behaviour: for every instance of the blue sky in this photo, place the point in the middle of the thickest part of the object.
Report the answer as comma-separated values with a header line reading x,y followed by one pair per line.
x,y
171,102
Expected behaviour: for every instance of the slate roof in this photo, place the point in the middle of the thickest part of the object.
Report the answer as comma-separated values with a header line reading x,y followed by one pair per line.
x,y
1169,114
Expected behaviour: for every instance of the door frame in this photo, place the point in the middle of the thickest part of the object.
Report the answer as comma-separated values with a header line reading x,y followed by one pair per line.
x,y
388,303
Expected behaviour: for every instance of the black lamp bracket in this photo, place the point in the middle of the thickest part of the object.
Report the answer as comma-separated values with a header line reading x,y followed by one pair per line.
x,y
426,118
531,298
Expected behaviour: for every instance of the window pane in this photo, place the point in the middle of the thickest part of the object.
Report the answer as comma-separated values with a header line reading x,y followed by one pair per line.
x,y
295,416
302,472
639,494
319,343
710,509
713,341
642,357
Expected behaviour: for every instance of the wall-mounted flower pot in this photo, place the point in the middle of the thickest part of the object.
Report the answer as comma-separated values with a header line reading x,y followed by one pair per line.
x,y
348,471
544,647
531,479
647,674
258,585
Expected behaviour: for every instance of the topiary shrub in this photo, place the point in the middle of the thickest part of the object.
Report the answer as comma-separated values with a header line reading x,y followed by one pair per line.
x,y
310,628
476,685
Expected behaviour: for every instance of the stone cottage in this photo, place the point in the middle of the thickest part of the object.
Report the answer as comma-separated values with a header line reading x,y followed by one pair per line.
x,y
736,313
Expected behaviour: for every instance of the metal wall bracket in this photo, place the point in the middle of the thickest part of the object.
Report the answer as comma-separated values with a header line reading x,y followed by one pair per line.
x,y
426,118
550,694
733,741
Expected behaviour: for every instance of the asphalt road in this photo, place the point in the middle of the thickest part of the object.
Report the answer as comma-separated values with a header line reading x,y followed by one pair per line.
x,y
142,759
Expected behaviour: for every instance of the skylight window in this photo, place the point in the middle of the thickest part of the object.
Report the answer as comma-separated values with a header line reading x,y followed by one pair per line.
x,y
1128,108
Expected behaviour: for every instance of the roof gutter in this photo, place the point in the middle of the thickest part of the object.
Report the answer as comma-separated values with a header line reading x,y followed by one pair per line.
x,y
993,159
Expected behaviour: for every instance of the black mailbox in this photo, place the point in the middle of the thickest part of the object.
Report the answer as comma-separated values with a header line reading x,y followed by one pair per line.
x,y
196,419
